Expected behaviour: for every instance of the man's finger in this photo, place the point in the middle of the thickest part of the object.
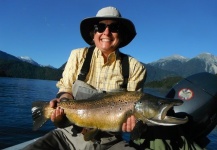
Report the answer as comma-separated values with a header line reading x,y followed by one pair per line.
x,y
133,122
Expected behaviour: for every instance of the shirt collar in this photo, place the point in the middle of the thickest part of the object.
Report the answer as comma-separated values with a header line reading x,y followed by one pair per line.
x,y
111,58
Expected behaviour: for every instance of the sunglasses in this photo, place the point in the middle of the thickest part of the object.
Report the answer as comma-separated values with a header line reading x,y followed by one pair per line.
x,y
113,27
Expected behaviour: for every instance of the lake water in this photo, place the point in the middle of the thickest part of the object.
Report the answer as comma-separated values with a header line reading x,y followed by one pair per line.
x,y
16,97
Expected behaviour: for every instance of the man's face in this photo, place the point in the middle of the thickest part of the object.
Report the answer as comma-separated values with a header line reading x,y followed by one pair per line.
x,y
107,40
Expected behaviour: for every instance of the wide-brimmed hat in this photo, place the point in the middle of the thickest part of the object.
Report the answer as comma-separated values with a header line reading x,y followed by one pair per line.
x,y
108,13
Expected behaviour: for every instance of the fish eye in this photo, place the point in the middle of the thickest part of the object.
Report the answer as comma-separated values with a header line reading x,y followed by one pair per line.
x,y
160,102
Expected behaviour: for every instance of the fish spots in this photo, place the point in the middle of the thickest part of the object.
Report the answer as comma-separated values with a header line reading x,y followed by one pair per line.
x,y
129,113
121,100
112,105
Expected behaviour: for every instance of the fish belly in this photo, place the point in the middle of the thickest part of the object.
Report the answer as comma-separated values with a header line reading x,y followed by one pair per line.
x,y
106,118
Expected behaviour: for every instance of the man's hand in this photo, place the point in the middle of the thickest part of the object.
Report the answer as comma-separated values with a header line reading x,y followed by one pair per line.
x,y
129,124
58,113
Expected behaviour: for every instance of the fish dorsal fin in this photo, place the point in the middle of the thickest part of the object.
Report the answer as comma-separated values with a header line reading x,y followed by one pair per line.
x,y
103,94
97,96
90,134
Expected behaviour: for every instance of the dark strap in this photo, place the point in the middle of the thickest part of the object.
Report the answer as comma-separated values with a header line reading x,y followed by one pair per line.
x,y
125,69
86,66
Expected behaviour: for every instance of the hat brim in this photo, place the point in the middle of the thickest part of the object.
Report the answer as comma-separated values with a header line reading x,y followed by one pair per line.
x,y
127,27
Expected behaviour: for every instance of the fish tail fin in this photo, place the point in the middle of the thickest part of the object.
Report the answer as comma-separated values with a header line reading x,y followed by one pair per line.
x,y
39,113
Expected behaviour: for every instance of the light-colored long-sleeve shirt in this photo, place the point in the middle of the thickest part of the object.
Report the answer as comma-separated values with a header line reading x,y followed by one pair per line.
x,y
102,75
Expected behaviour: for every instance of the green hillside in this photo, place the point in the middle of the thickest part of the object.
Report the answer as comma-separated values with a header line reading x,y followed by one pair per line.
x,y
19,69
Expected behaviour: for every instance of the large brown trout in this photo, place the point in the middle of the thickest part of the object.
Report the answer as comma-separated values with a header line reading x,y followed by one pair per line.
x,y
107,112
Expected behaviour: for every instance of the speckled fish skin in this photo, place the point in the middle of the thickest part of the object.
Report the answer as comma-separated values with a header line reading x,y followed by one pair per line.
x,y
109,111
106,114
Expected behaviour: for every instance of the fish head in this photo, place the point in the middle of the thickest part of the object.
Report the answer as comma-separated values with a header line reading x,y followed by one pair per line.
x,y
153,110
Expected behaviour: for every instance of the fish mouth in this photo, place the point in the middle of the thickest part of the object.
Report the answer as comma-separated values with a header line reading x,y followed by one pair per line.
x,y
168,121
165,120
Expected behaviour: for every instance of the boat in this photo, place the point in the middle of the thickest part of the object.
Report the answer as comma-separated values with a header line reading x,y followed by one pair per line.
x,y
21,145
199,94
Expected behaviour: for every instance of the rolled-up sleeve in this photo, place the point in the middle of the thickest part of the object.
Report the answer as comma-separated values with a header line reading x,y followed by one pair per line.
x,y
137,75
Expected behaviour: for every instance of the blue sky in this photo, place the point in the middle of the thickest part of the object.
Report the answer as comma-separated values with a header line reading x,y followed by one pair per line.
x,y
47,30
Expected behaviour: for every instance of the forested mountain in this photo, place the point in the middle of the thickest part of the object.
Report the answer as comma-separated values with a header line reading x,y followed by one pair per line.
x,y
182,66
174,66
19,69
11,66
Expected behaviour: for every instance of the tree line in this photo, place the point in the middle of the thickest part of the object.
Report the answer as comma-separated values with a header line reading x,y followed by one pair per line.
x,y
19,69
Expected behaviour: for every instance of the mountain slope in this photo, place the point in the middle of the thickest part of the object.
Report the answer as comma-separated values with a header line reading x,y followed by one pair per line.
x,y
28,60
11,66
6,56
155,73
19,69
184,67
176,65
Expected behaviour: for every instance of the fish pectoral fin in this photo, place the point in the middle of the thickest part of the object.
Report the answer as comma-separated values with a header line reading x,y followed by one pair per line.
x,y
90,134
139,128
